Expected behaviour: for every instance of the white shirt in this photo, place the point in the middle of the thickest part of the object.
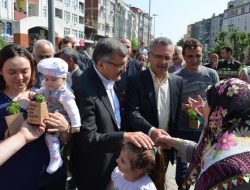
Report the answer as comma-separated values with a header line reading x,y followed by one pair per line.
x,y
162,93
109,87
120,183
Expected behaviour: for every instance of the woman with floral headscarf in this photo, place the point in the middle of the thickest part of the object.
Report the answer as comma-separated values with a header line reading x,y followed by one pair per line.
x,y
221,159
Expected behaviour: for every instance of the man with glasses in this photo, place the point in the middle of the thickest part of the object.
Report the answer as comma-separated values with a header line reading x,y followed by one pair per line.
x,y
196,79
102,127
42,49
153,97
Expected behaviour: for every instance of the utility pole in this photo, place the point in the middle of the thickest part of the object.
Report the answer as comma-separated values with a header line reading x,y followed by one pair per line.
x,y
149,22
154,15
51,22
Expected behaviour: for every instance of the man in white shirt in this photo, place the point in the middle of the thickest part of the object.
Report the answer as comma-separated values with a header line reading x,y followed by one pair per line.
x,y
153,97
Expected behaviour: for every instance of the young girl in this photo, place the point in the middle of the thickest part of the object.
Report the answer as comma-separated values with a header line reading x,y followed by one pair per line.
x,y
139,169
59,99
17,76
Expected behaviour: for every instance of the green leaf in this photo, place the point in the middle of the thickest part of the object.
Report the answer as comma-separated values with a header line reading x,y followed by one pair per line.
x,y
39,98
13,108
192,115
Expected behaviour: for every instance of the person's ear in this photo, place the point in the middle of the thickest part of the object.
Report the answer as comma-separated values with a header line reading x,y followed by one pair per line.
x,y
138,171
101,64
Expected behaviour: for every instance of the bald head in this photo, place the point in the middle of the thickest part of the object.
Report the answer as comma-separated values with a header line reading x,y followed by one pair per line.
x,y
128,44
177,57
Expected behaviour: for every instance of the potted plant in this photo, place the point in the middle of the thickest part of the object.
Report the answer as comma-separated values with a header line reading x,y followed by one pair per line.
x,y
38,110
15,117
194,122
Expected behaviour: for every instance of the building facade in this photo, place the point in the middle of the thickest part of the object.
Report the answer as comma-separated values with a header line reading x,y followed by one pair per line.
x,y
32,17
6,20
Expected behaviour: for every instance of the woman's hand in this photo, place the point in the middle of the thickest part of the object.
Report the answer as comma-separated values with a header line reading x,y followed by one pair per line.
x,y
31,133
197,105
165,141
56,122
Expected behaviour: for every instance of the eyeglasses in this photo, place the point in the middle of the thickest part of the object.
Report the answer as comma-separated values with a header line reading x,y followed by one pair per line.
x,y
119,66
161,57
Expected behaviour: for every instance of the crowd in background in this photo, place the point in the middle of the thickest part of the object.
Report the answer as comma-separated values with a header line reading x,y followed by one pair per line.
x,y
139,110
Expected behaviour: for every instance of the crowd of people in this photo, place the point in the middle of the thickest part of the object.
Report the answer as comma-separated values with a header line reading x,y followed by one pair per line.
x,y
117,119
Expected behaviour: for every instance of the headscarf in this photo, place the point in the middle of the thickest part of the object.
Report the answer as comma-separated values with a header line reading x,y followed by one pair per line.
x,y
224,149
245,70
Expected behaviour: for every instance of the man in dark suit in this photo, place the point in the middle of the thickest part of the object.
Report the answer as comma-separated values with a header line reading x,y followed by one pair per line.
x,y
71,56
153,97
102,122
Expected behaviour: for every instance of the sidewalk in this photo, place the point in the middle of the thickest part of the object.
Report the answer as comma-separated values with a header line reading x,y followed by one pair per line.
x,y
170,178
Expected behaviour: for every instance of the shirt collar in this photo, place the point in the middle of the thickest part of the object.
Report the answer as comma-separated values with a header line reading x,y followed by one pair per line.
x,y
156,80
108,84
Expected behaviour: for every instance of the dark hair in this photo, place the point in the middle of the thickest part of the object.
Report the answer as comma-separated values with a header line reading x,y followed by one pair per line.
x,y
107,47
190,43
11,51
228,49
64,40
151,161
70,53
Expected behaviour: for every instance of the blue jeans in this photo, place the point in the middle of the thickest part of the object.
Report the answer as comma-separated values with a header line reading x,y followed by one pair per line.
x,y
181,170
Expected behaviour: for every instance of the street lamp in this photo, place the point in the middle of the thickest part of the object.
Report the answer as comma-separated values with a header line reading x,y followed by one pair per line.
x,y
149,8
154,15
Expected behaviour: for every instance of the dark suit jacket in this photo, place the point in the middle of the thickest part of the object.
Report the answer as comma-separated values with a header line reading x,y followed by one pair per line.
x,y
133,67
76,75
94,147
141,108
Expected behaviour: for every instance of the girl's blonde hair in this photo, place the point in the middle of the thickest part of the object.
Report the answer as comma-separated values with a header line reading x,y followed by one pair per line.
x,y
151,161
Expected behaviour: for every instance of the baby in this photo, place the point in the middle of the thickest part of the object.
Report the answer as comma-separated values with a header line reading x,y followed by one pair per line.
x,y
60,99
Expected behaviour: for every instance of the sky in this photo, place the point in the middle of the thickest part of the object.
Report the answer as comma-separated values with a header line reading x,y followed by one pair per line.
x,y
175,15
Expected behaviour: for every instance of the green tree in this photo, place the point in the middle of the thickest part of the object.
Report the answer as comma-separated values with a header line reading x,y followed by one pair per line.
x,y
3,43
135,44
180,42
238,40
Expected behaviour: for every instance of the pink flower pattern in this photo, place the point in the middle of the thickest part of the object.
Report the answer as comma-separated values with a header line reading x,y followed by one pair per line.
x,y
225,142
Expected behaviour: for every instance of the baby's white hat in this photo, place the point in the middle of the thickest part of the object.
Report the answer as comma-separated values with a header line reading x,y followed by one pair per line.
x,y
54,67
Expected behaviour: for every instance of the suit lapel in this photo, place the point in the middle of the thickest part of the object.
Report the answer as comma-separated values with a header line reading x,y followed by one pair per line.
x,y
173,102
149,84
103,95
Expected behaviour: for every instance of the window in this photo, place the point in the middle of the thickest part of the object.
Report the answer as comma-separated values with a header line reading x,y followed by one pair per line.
x,y
67,2
74,32
58,13
247,9
81,20
67,16
44,11
74,3
66,31
74,18
81,34
238,11
4,4
81,7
